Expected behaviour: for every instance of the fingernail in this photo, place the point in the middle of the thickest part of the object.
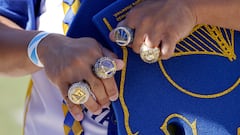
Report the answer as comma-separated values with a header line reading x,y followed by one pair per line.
x,y
97,112
111,35
79,117
120,64
113,98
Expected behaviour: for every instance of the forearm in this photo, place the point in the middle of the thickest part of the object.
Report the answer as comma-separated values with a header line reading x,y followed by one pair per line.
x,y
225,13
13,49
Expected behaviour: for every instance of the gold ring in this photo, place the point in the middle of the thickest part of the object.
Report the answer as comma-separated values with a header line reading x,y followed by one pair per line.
x,y
123,36
149,55
105,67
79,92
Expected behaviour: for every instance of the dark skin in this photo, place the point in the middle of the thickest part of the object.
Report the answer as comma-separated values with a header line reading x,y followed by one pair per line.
x,y
160,23
66,61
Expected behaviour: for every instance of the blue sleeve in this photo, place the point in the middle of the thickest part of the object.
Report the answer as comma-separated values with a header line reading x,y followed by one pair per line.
x,y
22,12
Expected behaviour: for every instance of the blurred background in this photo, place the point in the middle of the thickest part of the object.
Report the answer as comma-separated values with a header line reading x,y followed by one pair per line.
x,y
12,100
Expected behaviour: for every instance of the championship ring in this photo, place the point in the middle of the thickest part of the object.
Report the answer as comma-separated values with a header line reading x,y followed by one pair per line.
x,y
78,93
105,67
123,36
149,55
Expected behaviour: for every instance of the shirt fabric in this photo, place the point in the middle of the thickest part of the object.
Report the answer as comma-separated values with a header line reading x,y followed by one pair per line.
x,y
44,110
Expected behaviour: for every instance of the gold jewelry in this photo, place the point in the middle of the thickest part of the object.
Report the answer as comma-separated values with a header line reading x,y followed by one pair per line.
x,y
105,67
78,93
149,55
123,36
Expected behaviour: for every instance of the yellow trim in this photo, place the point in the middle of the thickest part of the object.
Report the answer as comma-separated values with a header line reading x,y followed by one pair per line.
x,y
122,82
238,131
107,24
123,73
121,94
215,34
67,129
75,6
76,127
65,7
65,28
65,109
193,125
27,101
224,92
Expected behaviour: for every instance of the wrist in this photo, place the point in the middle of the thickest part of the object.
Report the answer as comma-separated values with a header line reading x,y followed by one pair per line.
x,y
32,49
51,47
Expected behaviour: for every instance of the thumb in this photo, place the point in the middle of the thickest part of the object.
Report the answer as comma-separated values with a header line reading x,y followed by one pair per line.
x,y
119,63
111,34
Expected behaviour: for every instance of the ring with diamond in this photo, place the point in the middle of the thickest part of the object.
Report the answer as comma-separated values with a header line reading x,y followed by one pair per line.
x,y
149,55
79,92
123,36
105,67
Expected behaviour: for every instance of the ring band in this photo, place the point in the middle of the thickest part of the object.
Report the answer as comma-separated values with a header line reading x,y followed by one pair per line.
x,y
105,67
79,92
123,36
149,55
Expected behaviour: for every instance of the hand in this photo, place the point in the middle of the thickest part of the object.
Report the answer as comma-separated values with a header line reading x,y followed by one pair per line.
x,y
67,61
159,23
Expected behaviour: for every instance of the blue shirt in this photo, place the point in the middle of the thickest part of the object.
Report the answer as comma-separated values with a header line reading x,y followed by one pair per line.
x,y
25,13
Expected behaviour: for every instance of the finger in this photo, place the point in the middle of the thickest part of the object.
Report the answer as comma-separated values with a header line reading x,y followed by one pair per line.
x,y
98,89
111,88
119,62
111,34
120,24
139,38
168,46
152,41
74,109
93,106
108,53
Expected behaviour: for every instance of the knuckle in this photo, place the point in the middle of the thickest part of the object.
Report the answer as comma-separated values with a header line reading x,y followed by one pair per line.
x,y
136,48
93,108
103,100
112,92
74,110
96,53
146,20
96,85
69,104
167,54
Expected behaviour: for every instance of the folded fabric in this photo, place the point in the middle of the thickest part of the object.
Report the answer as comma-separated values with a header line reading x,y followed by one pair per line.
x,y
194,92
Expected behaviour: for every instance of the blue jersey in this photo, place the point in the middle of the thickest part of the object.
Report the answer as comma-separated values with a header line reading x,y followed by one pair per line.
x,y
23,12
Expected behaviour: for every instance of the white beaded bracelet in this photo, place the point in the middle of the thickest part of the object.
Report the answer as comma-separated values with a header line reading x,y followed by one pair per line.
x,y
32,48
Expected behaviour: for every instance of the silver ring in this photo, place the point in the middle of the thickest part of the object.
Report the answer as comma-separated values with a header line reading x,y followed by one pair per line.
x,y
149,55
123,36
105,67
79,92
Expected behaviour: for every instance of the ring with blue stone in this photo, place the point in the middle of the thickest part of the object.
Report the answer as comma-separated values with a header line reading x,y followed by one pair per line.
x,y
105,68
123,36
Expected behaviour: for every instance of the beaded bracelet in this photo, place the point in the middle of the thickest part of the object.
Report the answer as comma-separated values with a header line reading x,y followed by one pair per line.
x,y
32,48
